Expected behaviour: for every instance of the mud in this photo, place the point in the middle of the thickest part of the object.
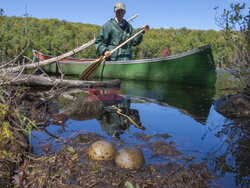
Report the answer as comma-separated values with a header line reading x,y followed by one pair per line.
x,y
71,167
13,153
20,108
14,144
162,148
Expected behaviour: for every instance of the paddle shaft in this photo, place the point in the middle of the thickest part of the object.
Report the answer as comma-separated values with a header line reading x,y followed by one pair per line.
x,y
92,68
132,18
125,42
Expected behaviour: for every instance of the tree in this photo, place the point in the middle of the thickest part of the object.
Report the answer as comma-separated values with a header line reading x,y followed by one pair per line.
x,y
235,22
1,12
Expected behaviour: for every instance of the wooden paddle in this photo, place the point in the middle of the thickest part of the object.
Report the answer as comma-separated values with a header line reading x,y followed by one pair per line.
x,y
88,72
133,17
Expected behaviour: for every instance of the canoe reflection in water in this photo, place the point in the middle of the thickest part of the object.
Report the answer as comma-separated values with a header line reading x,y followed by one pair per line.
x,y
104,106
117,118
193,101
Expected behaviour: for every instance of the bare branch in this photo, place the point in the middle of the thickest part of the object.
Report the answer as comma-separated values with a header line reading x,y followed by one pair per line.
x,y
52,60
34,80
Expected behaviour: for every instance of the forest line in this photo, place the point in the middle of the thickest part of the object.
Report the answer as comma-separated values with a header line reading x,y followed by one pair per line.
x,y
55,37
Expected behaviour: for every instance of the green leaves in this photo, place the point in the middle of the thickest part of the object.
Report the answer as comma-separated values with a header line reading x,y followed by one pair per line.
x,y
49,36
26,124
130,185
235,21
1,11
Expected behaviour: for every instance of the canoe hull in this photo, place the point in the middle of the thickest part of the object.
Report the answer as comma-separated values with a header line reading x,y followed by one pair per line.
x,y
195,67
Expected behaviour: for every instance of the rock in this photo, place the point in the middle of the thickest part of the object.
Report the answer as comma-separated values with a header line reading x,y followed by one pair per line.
x,y
101,150
83,109
130,157
233,106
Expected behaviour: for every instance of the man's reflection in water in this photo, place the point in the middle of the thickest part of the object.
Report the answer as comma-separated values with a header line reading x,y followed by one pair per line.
x,y
115,124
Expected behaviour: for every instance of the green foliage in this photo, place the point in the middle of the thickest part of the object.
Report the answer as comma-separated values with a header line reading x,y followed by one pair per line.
x,y
130,185
26,124
49,36
5,130
178,41
234,17
235,22
1,11
55,37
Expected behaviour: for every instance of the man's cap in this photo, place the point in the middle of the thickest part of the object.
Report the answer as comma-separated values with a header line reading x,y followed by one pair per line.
x,y
119,6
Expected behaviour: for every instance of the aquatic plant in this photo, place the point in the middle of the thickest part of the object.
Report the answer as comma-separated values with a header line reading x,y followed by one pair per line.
x,y
27,124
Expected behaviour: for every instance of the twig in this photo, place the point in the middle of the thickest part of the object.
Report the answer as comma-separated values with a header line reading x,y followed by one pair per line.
x,y
119,111
85,155
95,183
47,132
33,181
73,135
38,66
21,173
18,75
22,129
61,183
44,73
59,68
178,168
28,58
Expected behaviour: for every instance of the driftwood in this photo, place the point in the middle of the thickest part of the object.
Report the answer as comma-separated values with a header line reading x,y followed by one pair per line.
x,y
42,81
46,62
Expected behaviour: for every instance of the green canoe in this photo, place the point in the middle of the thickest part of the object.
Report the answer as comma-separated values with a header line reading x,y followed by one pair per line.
x,y
195,67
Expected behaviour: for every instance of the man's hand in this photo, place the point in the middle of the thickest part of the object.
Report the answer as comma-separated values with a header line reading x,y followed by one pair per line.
x,y
146,27
107,53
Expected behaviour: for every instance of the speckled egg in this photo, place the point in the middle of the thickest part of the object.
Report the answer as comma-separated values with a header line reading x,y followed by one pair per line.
x,y
101,150
130,157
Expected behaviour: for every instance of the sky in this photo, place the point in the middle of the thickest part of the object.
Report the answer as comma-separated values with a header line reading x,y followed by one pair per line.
x,y
192,14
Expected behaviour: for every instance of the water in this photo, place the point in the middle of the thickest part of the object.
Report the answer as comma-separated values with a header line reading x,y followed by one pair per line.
x,y
184,112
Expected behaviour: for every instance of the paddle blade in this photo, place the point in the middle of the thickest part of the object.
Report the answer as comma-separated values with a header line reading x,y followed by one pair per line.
x,y
89,71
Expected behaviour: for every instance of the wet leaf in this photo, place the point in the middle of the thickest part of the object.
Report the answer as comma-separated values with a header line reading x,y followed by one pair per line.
x,y
71,150
128,184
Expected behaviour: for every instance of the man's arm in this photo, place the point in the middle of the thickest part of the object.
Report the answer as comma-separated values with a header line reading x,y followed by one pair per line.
x,y
102,40
136,41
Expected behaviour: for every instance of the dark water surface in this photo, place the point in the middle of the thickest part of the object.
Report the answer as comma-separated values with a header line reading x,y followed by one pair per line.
x,y
184,112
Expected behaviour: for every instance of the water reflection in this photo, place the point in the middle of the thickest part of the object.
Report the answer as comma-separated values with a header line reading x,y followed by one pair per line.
x,y
232,154
114,123
112,111
190,100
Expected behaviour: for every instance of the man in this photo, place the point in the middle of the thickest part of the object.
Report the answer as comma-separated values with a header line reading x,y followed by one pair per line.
x,y
114,32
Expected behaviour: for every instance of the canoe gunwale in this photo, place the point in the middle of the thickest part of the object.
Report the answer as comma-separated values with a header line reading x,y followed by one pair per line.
x,y
50,56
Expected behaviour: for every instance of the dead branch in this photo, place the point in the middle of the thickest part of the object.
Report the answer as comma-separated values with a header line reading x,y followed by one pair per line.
x,y
35,80
49,61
